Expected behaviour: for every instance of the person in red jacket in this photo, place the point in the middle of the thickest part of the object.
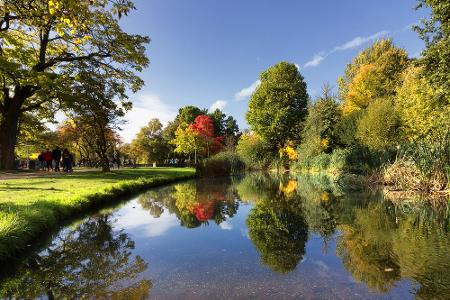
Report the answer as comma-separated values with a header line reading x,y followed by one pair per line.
x,y
48,157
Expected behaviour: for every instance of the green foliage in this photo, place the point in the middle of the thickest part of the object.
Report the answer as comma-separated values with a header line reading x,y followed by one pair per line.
x,y
355,159
379,126
253,151
187,114
319,132
346,129
436,57
221,164
44,44
278,106
150,143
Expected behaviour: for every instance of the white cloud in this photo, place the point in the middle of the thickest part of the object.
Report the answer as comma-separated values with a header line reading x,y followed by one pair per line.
x,y
141,222
145,108
315,61
352,44
359,41
219,104
248,91
225,225
298,67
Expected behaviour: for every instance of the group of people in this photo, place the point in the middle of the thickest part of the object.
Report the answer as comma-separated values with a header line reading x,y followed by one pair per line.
x,y
51,160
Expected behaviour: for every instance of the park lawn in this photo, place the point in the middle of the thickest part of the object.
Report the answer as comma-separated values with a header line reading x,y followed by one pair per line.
x,y
31,206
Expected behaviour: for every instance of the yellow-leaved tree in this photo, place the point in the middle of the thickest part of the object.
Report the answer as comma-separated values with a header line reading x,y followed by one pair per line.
x,y
422,115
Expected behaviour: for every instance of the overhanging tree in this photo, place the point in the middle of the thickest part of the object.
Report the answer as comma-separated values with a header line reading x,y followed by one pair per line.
x,y
41,41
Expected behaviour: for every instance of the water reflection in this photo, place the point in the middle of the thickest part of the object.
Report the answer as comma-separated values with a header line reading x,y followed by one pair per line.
x,y
88,260
380,242
276,223
384,245
195,202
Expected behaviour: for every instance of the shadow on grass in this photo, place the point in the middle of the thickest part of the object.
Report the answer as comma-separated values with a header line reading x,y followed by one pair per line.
x,y
17,188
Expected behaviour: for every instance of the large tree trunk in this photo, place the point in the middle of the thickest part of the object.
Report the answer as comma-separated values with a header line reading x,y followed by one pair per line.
x,y
9,129
11,111
103,148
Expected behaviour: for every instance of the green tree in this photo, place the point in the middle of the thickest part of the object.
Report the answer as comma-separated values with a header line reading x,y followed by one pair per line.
x,y
319,130
187,114
99,105
379,126
42,40
253,151
151,143
436,57
278,106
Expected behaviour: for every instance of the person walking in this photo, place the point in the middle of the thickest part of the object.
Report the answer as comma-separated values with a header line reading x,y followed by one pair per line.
x,y
56,153
41,161
65,159
71,163
48,160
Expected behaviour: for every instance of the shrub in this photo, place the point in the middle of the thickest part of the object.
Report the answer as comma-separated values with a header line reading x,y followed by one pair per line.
x,y
253,152
379,126
221,164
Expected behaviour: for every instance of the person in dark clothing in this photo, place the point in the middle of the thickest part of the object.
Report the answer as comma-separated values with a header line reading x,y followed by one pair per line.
x,y
71,163
68,160
41,161
118,161
48,160
56,153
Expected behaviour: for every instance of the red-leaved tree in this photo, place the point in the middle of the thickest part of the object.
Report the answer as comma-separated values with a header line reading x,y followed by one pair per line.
x,y
204,127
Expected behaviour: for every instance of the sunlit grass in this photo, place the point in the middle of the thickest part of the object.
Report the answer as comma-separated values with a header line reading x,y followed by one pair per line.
x,y
31,206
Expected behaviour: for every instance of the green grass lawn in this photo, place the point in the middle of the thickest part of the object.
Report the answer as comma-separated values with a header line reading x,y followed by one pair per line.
x,y
31,206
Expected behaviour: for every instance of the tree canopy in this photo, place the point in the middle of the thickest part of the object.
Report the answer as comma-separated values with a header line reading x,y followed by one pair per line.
x,y
43,43
278,106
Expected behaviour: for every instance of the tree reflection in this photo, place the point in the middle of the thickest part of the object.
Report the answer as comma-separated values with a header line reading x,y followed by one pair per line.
x,y
276,223
366,247
195,202
388,241
91,260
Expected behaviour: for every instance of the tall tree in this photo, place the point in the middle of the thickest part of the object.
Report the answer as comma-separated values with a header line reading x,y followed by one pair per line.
x,y
436,57
151,143
319,132
374,73
278,106
41,40
98,107
187,114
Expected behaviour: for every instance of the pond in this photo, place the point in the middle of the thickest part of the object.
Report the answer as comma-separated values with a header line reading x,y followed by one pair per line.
x,y
255,236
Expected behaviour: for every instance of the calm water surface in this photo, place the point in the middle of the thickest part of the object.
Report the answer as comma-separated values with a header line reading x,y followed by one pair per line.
x,y
251,237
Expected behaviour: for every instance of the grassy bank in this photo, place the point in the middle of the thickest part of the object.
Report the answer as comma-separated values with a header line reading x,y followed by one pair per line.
x,y
32,206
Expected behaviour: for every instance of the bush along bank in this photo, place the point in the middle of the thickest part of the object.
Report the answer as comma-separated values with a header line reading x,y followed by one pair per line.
x,y
222,164
22,221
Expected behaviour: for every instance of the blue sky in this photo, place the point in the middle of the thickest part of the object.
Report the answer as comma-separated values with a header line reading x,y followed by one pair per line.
x,y
211,52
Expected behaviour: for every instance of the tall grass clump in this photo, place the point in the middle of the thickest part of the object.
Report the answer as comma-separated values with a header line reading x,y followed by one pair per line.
x,y
422,166
222,164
